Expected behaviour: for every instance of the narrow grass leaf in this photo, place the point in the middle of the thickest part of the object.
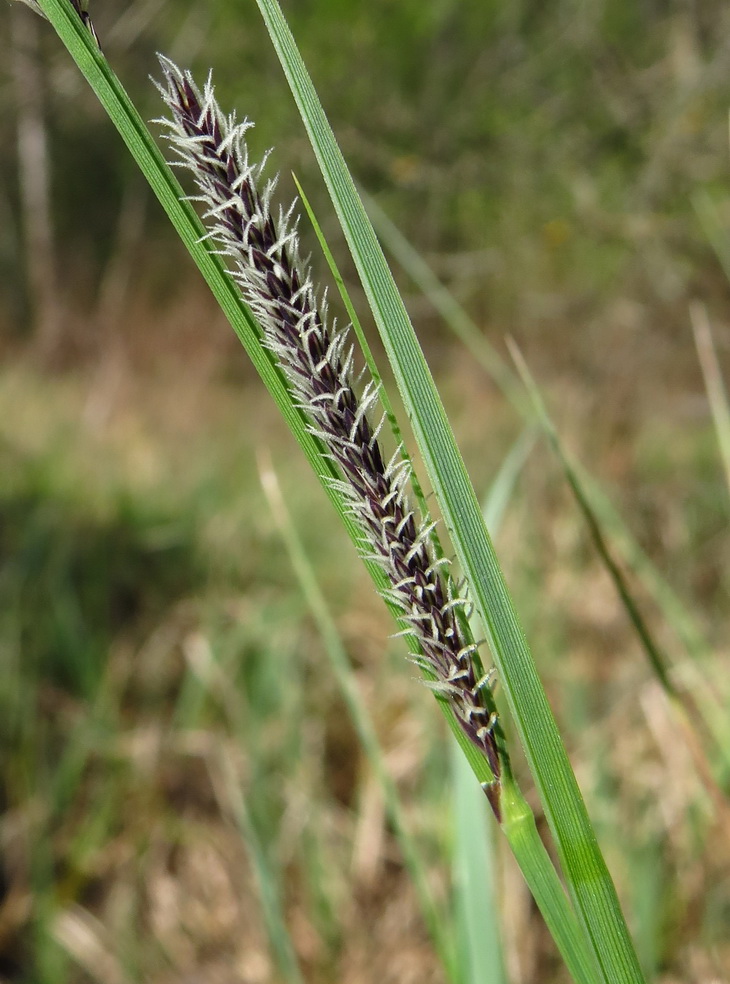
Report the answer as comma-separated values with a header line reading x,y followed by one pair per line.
x,y
475,890
713,227
478,920
656,659
693,672
226,782
650,647
585,870
714,385
502,487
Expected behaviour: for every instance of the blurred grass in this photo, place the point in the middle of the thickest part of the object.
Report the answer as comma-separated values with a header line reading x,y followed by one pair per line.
x,y
112,794
545,156
154,648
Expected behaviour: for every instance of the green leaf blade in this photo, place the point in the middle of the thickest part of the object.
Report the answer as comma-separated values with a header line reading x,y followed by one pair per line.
x,y
588,879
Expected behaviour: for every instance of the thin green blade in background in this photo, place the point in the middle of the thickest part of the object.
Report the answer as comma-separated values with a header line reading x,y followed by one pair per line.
x,y
687,720
716,394
479,920
475,902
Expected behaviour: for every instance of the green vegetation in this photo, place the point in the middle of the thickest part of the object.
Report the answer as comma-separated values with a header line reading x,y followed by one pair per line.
x,y
186,786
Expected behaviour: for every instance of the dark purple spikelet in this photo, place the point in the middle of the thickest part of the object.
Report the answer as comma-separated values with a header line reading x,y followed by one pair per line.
x,y
316,357
81,9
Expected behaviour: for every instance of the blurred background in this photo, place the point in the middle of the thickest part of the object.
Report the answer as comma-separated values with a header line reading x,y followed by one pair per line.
x,y
178,767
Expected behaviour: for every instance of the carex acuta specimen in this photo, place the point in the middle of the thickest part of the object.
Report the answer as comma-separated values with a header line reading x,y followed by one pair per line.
x,y
317,357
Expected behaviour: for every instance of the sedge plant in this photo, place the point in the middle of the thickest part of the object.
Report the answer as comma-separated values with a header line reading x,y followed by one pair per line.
x,y
248,252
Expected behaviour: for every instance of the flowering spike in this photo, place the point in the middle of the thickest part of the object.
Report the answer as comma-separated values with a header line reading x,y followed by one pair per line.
x,y
317,359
